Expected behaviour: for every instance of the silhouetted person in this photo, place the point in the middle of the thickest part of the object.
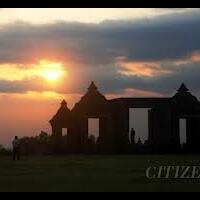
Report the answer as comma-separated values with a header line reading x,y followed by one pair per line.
x,y
139,142
132,136
16,148
91,144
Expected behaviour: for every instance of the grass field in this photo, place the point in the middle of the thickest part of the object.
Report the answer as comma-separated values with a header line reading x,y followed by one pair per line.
x,y
91,173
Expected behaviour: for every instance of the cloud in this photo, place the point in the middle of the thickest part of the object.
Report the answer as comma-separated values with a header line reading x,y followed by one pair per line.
x,y
87,15
144,69
158,53
169,37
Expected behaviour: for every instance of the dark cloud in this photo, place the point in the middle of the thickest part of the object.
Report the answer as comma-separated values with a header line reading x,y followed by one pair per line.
x,y
167,37
166,85
95,47
109,81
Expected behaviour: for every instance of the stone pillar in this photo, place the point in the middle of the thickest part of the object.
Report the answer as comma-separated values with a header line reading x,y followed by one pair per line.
x,y
56,131
193,135
123,130
161,130
103,135
106,134
150,122
84,133
175,134
151,130
56,139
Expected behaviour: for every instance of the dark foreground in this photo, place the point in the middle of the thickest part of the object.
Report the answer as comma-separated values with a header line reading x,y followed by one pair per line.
x,y
92,173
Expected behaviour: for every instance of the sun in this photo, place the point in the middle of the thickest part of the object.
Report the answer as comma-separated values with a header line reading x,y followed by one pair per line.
x,y
51,71
52,74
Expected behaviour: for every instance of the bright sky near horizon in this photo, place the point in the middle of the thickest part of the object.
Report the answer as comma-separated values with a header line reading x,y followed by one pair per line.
x,y
50,54
87,15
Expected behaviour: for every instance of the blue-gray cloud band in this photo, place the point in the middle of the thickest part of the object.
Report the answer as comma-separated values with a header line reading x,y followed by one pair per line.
x,y
96,47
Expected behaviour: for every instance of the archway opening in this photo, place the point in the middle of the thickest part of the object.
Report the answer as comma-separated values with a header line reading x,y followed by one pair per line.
x,y
183,131
93,128
64,131
138,119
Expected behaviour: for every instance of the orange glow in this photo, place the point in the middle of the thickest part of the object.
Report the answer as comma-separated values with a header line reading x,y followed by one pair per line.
x,y
133,92
141,69
47,70
196,57
51,71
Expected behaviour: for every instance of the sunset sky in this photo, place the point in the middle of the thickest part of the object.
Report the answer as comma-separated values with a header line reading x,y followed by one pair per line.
x,y
50,54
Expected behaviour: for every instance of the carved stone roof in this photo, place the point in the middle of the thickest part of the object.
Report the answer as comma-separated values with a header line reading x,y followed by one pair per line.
x,y
183,98
92,87
183,88
62,114
93,96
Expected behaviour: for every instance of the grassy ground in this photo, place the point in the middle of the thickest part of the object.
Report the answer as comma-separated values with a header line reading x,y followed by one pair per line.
x,y
91,173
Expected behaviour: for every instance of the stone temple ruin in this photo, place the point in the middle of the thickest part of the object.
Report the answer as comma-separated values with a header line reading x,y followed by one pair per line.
x,y
113,115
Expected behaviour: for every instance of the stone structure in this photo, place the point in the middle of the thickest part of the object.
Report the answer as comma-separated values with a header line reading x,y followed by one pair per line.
x,y
164,128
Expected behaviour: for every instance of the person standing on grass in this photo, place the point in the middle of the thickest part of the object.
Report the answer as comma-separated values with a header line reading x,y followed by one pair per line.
x,y
16,148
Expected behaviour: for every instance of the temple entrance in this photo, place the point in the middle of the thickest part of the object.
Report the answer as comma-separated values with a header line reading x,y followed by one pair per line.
x,y
93,128
183,131
64,131
93,135
166,121
138,119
